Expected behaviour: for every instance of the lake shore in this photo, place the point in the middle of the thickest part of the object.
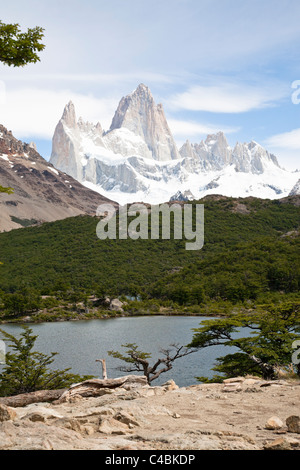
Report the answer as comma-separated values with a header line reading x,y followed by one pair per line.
x,y
44,318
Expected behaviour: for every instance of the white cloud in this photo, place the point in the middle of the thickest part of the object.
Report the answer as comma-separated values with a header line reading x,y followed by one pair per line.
x,y
289,140
32,104
227,98
34,113
287,147
88,78
190,129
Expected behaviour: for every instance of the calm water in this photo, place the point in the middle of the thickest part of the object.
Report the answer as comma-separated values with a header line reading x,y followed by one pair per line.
x,y
80,343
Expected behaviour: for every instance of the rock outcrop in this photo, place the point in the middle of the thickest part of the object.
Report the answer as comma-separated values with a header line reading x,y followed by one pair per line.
x,y
251,415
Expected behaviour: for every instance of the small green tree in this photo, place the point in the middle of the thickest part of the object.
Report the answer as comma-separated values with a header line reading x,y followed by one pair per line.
x,y
263,352
139,362
27,371
17,48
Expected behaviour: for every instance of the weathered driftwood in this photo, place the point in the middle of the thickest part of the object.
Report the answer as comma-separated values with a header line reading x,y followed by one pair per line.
x,y
95,387
88,388
33,397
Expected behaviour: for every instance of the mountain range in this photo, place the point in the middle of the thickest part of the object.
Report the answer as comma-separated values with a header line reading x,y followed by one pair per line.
x,y
137,158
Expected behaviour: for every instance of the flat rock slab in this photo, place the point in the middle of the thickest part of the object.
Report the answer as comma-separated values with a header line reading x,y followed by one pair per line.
x,y
200,417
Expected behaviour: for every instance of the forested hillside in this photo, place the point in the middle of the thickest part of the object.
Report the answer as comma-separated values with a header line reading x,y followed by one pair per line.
x,y
251,251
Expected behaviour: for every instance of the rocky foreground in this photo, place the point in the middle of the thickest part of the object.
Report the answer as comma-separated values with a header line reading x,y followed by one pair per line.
x,y
240,414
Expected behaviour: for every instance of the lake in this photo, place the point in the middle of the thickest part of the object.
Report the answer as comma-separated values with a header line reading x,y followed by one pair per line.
x,y
80,343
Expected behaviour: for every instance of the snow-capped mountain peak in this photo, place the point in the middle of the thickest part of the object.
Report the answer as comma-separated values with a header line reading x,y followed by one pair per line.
x,y
139,114
69,115
137,159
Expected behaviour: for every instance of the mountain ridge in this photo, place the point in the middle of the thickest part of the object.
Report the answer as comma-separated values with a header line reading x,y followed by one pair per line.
x,y
41,193
137,158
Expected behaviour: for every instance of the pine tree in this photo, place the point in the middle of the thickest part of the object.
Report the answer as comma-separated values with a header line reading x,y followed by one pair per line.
x,y
27,371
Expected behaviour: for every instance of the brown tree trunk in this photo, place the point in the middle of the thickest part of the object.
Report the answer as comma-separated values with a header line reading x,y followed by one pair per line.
x,y
88,388
33,397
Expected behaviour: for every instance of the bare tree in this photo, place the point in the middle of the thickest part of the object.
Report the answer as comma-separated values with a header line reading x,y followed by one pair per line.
x,y
139,362
104,371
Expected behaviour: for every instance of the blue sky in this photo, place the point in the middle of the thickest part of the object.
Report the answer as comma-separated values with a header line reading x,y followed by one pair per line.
x,y
214,65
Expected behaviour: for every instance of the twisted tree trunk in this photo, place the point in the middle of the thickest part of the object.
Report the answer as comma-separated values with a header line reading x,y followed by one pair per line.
x,y
268,371
25,399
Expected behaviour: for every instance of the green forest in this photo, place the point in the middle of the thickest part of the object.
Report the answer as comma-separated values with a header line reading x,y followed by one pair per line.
x,y
250,256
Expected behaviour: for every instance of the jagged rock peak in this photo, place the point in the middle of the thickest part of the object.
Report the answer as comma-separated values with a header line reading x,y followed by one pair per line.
x,y
138,113
213,153
187,150
87,126
69,115
219,137
252,157
143,90
141,97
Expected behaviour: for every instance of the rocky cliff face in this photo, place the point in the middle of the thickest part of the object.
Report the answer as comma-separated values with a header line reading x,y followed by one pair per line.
x,y
41,193
137,159
140,115
215,154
